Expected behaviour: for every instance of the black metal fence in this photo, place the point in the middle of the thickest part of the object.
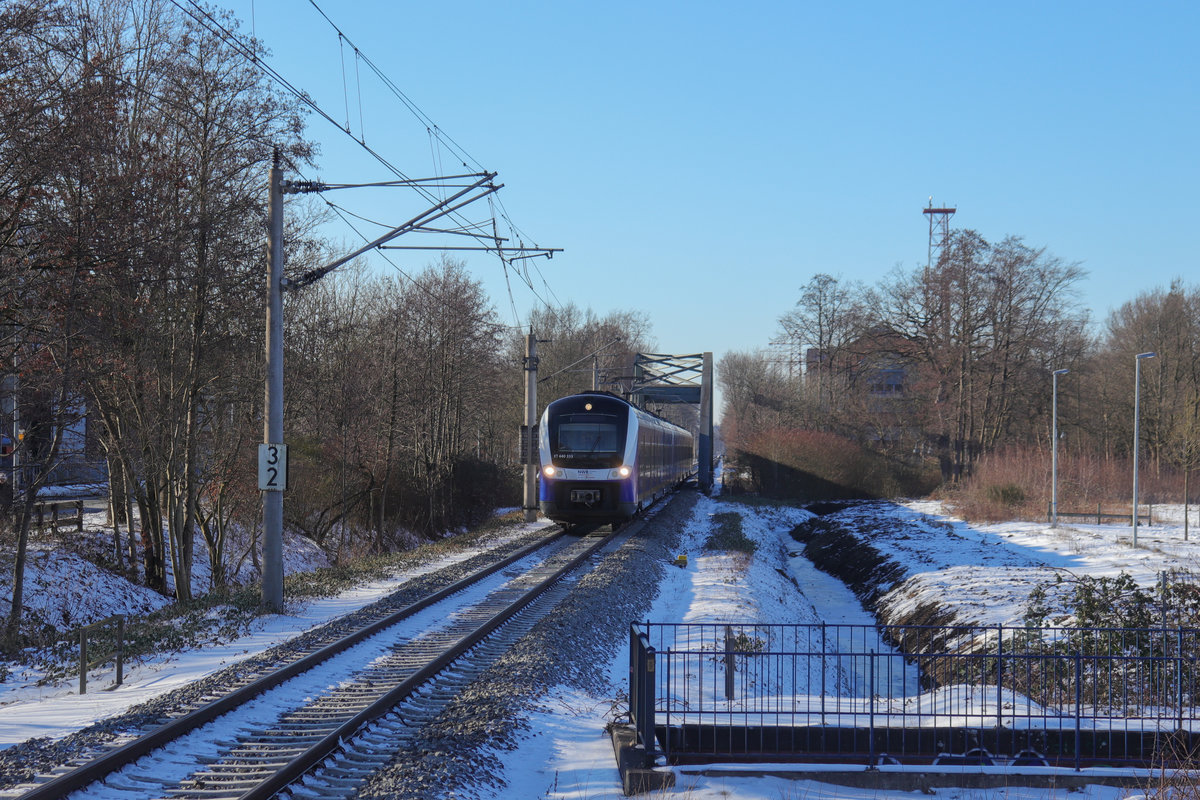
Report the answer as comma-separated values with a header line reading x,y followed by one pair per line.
x,y
1048,696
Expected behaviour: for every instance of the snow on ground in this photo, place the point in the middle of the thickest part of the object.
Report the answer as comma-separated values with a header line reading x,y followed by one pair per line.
x,y
986,570
571,757
64,590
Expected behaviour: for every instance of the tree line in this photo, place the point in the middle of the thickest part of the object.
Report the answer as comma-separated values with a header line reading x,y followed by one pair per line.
x,y
135,145
936,368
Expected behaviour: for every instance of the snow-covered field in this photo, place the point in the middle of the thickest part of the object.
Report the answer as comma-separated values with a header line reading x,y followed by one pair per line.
x,y
570,757
66,590
986,571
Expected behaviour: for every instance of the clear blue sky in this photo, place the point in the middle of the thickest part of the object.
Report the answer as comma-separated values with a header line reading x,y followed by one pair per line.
x,y
701,161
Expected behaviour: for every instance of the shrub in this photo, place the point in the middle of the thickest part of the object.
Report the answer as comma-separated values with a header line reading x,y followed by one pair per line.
x,y
1016,483
818,465
1009,494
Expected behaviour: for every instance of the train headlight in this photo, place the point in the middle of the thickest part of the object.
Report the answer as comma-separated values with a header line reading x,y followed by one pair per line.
x,y
624,472
549,470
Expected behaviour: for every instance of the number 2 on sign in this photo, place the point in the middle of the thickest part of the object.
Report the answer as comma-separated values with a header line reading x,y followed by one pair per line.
x,y
272,467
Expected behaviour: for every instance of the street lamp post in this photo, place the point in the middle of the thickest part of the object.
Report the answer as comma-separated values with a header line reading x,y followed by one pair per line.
x,y
1054,453
1137,393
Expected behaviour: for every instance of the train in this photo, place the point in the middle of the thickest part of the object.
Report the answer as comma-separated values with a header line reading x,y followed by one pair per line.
x,y
603,459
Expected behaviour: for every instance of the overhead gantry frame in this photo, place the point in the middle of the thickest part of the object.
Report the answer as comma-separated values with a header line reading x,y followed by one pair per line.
x,y
680,379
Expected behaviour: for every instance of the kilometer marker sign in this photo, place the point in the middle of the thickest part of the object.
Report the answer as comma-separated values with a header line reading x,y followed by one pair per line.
x,y
272,467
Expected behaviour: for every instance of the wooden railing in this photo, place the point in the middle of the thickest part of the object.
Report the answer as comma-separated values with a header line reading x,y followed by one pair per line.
x,y
58,513
117,654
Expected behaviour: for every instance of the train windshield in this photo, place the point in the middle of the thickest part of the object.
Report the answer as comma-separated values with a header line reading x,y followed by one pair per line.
x,y
587,440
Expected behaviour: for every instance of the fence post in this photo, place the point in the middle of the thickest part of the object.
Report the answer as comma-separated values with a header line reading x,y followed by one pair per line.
x,y
999,679
730,663
641,687
822,673
871,725
120,650
633,643
1079,707
647,724
666,745
635,675
83,660
79,511
1097,513
1179,675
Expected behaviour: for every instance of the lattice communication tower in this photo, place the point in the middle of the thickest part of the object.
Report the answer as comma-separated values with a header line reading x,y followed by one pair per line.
x,y
939,230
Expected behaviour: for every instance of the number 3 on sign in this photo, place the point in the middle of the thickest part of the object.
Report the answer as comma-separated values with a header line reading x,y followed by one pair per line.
x,y
272,467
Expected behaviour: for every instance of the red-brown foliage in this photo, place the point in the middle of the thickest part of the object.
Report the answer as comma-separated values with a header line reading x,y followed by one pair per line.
x,y
1016,483
807,464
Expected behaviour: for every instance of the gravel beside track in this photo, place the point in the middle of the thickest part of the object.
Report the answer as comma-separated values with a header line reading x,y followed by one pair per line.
x,y
22,762
572,646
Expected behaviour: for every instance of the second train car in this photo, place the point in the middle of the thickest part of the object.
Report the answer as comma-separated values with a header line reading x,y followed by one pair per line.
x,y
604,459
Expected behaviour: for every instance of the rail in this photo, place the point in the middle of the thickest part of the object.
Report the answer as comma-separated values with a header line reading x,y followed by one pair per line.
x,y
1069,697
1102,516
111,760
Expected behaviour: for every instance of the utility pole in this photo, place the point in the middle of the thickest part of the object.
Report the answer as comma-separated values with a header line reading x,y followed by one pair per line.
x,y
1054,449
272,578
272,453
531,462
1137,394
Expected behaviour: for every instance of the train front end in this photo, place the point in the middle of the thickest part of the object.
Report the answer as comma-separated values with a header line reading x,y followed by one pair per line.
x,y
588,459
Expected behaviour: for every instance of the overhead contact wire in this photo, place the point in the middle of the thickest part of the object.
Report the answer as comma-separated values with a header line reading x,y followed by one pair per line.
x,y
210,23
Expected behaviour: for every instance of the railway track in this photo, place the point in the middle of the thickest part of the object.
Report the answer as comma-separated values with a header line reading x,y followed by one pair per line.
x,y
348,705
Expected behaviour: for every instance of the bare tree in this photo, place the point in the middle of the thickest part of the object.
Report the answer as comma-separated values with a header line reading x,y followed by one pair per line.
x,y
759,407
826,322
1166,322
575,344
48,164
981,328
190,130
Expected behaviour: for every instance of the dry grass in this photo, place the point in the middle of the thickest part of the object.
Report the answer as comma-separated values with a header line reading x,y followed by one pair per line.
x,y
818,465
728,535
1016,484
1179,776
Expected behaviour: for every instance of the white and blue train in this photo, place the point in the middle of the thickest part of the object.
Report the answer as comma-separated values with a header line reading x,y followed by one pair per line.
x,y
604,459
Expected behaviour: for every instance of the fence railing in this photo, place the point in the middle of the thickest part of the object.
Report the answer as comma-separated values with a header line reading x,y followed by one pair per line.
x,y
1102,516
641,687
114,643
59,513
1060,696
